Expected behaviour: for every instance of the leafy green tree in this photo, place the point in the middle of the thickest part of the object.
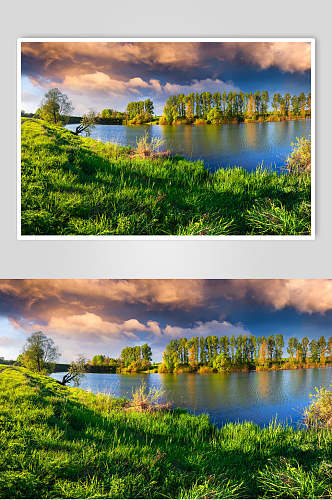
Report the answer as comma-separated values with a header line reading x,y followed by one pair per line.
x,y
291,349
39,354
305,347
279,346
202,349
98,360
271,347
55,107
148,107
314,351
146,353
322,345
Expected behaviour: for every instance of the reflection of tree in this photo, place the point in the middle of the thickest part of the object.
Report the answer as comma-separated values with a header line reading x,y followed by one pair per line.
x,y
251,134
263,384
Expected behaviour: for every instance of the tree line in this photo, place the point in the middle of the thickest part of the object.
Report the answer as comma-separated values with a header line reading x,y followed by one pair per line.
x,y
202,354
201,107
198,108
226,353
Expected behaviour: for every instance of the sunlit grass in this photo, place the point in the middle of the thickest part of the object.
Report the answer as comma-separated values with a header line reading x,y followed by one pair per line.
x,y
73,185
60,442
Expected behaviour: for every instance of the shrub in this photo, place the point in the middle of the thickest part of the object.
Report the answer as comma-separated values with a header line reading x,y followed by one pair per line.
x,y
222,363
299,161
182,368
146,148
162,368
205,369
319,413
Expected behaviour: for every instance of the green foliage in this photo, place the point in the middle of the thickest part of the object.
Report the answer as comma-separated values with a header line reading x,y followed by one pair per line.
x,y
55,107
140,112
61,442
289,479
221,363
136,358
273,218
243,352
73,185
216,108
39,353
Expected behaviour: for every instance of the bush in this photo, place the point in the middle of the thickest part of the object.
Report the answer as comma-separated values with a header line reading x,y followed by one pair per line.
x,y
205,369
162,368
222,363
299,161
319,413
182,368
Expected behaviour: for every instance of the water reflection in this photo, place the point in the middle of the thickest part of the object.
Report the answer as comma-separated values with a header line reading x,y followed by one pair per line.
x,y
246,144
258,397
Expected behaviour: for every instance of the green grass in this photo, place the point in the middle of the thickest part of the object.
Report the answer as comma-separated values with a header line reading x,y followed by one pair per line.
x,y
78,186
59,442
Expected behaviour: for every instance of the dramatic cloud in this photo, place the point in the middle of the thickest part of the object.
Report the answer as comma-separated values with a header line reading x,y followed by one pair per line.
x,y
94,316
97,74
287,56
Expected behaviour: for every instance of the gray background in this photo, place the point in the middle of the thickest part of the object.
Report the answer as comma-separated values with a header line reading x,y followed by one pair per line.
x,y
163,259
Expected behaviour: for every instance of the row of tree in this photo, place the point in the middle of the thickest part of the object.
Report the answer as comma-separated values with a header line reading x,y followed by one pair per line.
x,y
216,107
244,351
203,107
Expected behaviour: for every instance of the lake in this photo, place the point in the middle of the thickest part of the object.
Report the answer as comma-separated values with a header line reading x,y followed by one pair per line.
x,y
255,396
245,144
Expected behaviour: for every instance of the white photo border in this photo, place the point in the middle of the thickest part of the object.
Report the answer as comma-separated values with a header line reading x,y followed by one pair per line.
x,y
310,40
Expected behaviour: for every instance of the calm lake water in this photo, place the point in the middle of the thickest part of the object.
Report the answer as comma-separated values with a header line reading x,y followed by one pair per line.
x,y
246,144
258,397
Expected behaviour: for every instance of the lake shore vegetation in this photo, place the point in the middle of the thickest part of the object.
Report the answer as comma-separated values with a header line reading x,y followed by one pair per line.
x,y
222,354
62,442
74,185
200,108
215,108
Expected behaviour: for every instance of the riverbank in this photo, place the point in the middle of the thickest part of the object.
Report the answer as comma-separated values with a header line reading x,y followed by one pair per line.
x,y
79,186
60,442
233,121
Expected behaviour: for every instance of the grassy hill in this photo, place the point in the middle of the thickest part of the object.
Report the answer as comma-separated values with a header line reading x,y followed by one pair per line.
x,y
78,186
59,442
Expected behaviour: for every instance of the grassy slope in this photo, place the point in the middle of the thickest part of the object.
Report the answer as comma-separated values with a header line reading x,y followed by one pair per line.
x,y
58,442
74,185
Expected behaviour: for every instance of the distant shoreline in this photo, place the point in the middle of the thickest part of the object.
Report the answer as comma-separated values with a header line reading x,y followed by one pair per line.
x,y
224,122
100,370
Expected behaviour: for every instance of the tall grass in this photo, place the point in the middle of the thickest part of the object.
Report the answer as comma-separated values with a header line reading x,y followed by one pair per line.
x,y
73,185
60,442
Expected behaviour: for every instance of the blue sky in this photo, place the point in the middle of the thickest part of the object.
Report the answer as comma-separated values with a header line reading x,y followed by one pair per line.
x,y
103,316
100,75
